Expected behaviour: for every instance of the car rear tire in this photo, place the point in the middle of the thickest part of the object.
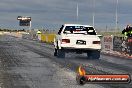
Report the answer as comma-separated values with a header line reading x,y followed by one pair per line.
x,y
93,54
55,52
60,53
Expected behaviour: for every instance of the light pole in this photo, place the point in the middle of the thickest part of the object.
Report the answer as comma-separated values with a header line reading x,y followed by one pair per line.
x,y
77,12
93,12
116,16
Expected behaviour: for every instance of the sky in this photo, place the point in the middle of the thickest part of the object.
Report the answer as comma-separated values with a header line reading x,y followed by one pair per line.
x,y
50,14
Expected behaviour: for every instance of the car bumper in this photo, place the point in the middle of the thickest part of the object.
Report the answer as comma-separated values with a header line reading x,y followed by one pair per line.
x,y
71,49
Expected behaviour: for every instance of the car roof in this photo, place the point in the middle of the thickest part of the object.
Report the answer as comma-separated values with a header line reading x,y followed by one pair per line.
x,y
77,25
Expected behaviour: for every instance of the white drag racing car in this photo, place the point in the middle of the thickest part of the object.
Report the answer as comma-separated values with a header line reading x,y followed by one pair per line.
x,y
77,38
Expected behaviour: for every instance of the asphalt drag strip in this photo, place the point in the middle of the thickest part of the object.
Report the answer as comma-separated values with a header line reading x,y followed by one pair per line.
x,y
21,67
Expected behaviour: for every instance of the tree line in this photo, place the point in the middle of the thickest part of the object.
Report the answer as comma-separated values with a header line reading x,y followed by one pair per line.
x,y
12,30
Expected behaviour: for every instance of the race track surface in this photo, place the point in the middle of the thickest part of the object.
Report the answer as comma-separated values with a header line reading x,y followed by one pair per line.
x,y
31,64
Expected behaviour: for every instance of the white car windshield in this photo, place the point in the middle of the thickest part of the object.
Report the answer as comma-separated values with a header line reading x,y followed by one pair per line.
x,y
79,30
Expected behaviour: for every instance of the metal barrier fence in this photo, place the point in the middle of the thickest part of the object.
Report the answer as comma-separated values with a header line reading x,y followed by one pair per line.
x,y
119,44
122,44
129,44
